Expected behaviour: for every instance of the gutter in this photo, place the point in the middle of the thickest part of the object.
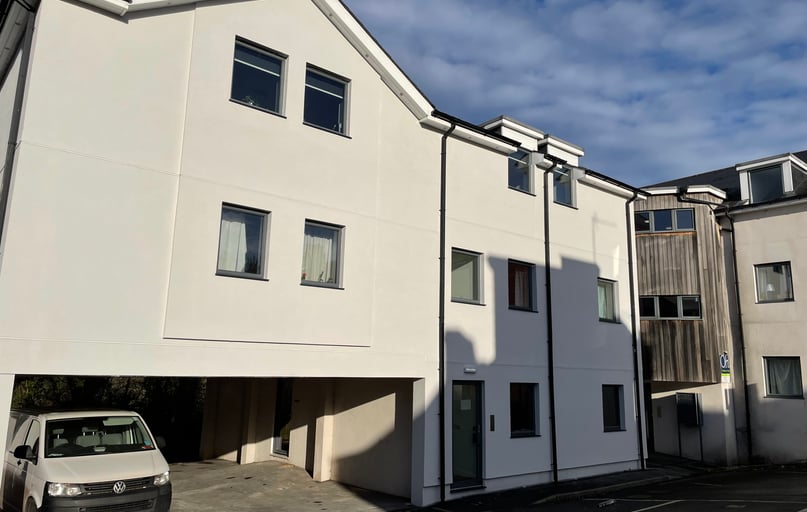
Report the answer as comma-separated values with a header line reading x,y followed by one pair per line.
x,y
442,309
14,132
637,378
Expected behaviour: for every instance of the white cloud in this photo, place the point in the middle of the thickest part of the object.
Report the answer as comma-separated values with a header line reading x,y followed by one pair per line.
x,y
651,90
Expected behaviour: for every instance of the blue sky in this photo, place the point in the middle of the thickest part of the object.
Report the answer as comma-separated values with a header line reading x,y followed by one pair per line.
x,y
652,90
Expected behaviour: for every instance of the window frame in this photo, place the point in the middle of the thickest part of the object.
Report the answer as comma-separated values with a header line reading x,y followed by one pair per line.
x,y
612,294
262,244
789,274
528,171
533,411
531,307
563,171
479,277
274,54
328,75
679,302
651,221
620,411
338,267
767,373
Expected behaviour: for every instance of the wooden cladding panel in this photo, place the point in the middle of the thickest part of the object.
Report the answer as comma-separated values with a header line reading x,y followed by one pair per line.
x,y
678,351
684,263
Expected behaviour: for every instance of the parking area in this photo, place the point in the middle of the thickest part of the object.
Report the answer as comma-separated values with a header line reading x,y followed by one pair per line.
x,y
217,485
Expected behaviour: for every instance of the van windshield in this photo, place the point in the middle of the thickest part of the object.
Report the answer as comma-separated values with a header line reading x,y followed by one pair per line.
x,y
75,437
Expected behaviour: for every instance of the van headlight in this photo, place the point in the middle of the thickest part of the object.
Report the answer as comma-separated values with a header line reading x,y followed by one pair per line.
x,y
63,490
162,479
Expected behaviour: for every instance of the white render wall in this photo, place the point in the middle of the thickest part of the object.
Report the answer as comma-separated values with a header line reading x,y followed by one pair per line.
x,y
773,329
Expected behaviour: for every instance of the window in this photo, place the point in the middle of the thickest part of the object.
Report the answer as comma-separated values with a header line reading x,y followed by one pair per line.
x,y
613,408
606,300
523,409
670,306
321,254
766,184
783,377
465,276
241,242
660,221
520,278
564,186
774,282
325,101
519,175
257,77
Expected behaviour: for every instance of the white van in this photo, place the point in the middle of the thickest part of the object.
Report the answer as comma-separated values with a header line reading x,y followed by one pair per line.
x,y
75,461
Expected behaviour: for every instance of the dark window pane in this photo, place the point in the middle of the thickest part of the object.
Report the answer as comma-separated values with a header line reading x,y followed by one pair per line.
x,y
685,219
465,276
766,184
691,307
662,220
642,220
783,376
324,102
519,276
612,408
774,282
522,409
563,187
668,306
518,171
647,306
256,78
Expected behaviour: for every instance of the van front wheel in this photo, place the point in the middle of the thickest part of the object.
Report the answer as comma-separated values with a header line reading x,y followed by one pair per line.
x,y
31,506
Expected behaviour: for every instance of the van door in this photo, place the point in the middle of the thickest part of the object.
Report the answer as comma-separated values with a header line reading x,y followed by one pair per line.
x,y
16,470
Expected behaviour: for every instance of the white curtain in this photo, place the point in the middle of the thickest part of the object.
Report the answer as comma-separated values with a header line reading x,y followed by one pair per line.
x,y
784,376
604,301
319,255
233,242
521,289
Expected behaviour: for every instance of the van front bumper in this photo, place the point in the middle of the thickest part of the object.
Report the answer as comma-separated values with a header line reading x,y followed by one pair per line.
x,y
154,499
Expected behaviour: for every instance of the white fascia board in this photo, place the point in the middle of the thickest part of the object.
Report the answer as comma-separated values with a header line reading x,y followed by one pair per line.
x,y
660,191
605,186
143,5
798,162
765,208
469,135
706,189
364,43
561,144
762,162
511,124
117,7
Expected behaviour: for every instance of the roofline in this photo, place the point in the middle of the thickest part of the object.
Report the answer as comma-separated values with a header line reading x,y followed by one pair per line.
x,y
471,132
514,124
692,189
770,205
640,194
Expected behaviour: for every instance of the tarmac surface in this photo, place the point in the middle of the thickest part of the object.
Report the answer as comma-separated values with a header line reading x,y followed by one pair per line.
x,y
218,485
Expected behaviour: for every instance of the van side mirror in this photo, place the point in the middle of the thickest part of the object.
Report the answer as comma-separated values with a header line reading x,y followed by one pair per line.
x,y
24,452
160,440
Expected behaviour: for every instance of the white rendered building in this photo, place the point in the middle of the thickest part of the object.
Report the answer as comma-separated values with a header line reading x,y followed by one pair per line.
x,y
253,192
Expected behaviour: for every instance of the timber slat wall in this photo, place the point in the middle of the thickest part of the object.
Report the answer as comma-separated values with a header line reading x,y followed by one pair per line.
x,y
685,263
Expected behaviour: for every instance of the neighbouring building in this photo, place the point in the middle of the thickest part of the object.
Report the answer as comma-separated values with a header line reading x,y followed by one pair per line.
x,y
375,291
721,322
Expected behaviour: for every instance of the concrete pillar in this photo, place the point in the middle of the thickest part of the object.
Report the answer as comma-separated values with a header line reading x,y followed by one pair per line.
x,y
426,441
249,437
729,430
323,443
208,442
6,392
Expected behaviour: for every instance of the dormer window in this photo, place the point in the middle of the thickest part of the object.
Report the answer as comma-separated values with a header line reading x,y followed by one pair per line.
x,y
766,184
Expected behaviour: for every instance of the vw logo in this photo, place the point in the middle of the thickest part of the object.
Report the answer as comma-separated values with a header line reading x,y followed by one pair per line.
x,y
119,487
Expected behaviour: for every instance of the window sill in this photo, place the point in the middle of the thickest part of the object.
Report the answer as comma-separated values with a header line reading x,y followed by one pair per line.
x,y
572,206
256,107
318,127
316,284
237,275
609,321
469,302
774,301
466,487
527,192
524,436
525,310
786,397
615,429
